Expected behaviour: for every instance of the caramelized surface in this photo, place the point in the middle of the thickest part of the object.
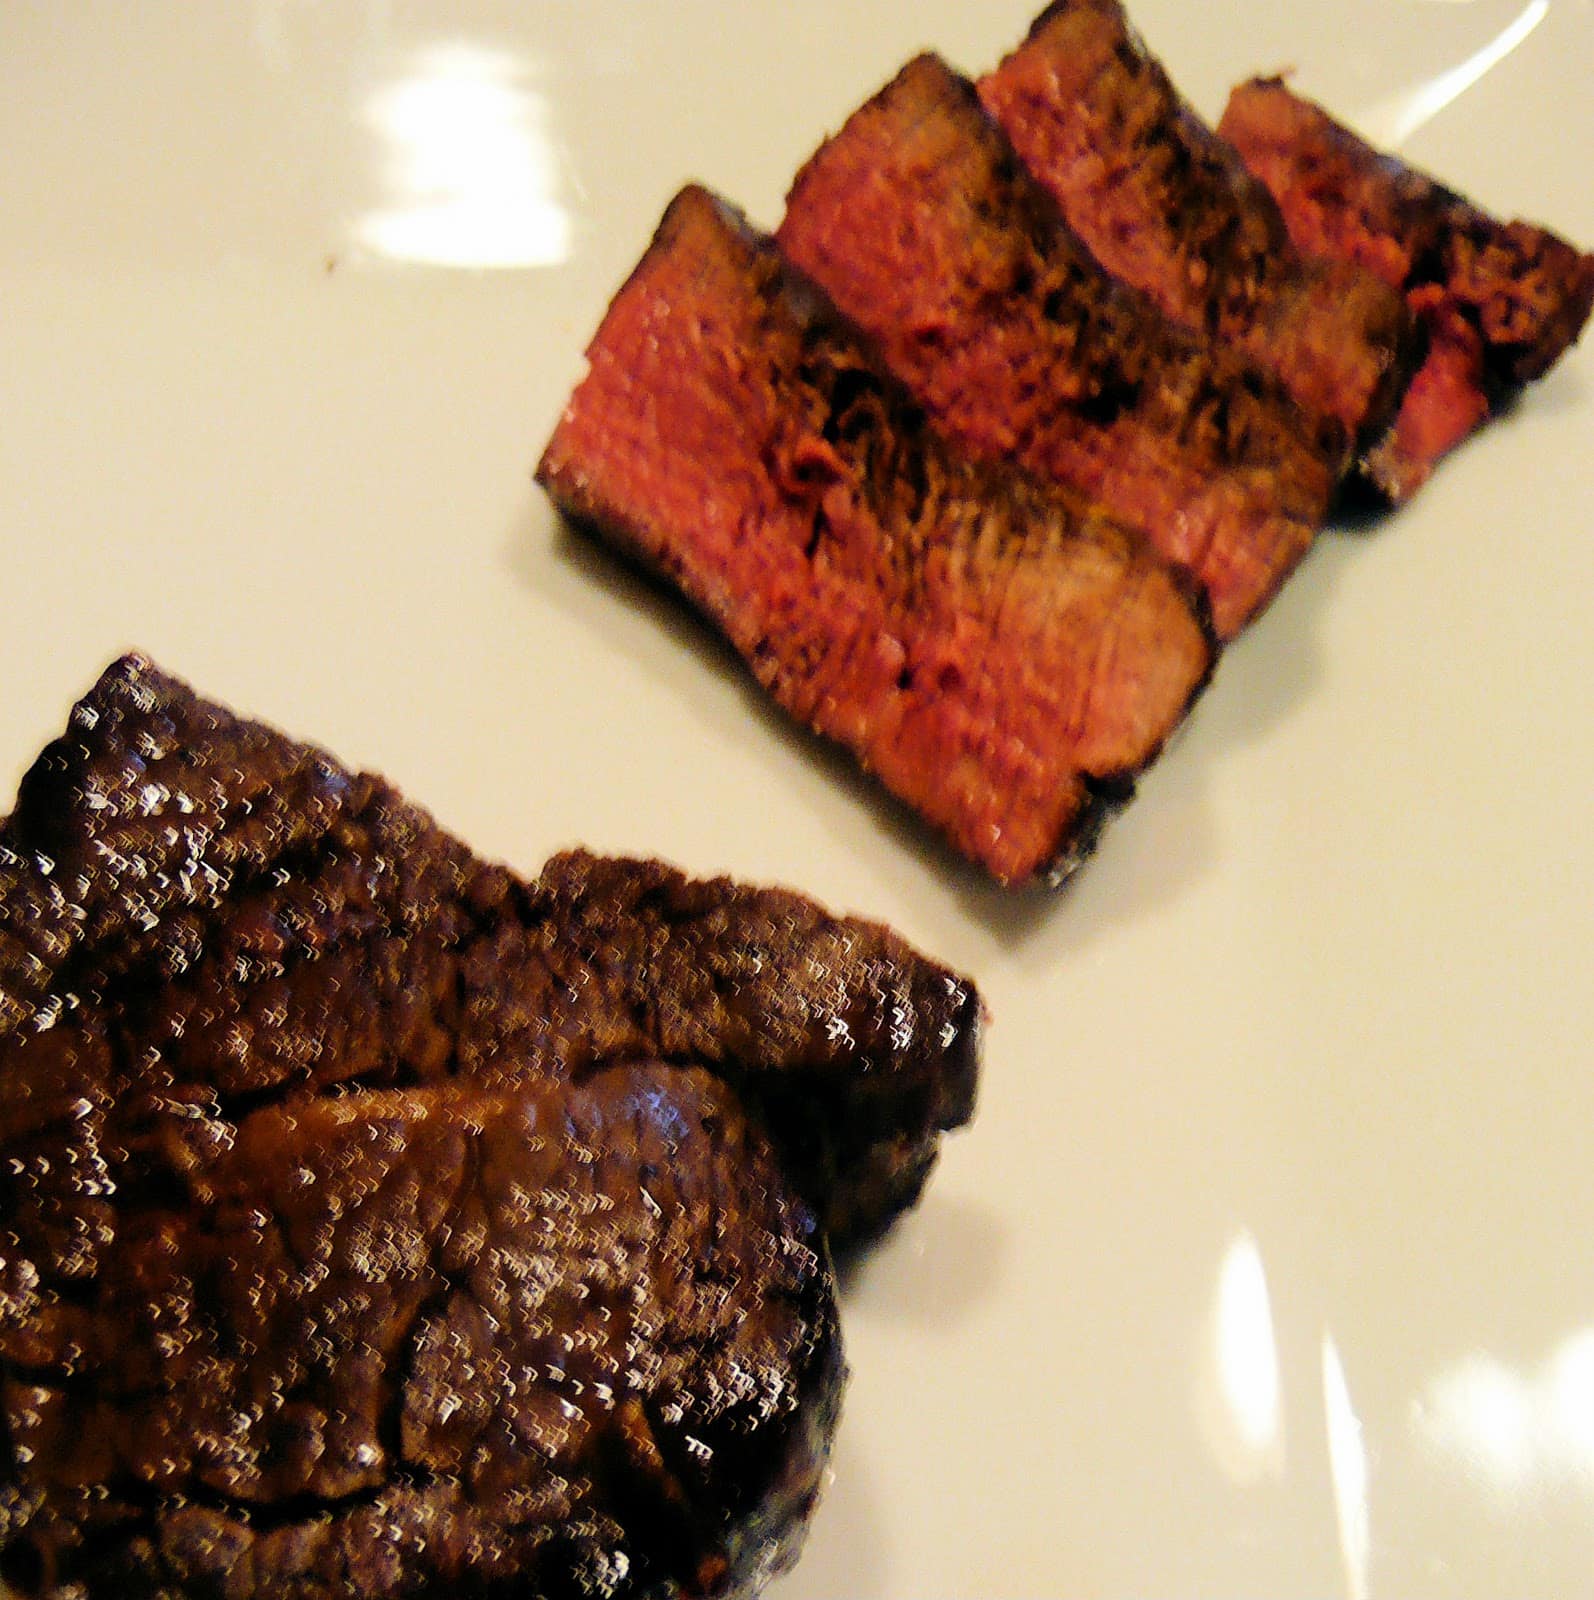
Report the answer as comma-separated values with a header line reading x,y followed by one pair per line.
x,y
377,1222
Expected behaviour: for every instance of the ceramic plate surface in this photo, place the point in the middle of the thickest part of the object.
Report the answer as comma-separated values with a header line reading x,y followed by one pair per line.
x,y
1266,1268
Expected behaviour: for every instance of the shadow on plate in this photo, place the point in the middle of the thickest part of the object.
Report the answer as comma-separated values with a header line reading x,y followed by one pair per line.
x,y
936,1266
1162,844
844,1557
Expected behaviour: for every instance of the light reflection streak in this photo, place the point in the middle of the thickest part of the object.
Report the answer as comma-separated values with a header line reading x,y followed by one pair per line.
x,y
1480,1413
1395,118
1571,1397
469,165
1515,1432
1347,1466
1247,1422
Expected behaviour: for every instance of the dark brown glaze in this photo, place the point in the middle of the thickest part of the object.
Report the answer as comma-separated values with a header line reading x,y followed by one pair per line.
x,y
1167,206
1501,301
1000,655
559,1340
921,223
857,1052
374,1222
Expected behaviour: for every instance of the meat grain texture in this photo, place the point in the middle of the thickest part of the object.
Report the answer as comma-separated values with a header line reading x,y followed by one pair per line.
x,y
999,653
919,220
374,1222
1169,207
1500,302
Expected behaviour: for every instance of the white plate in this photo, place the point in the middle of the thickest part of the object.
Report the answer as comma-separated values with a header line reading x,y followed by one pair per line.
x,y
1266,1268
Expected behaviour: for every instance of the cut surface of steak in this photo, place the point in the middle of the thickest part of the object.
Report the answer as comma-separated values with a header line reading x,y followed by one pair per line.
x,y
376,1222
1501,301
922,225
1000,655
1169,207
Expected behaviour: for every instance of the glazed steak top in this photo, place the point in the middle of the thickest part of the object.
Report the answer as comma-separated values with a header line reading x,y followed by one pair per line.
x,y
372,1221
555,1340
211,913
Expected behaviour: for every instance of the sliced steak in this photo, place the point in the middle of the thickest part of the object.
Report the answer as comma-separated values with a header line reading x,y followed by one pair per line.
x,y
374,1222
921,223
1501,301
1001,656
1168,207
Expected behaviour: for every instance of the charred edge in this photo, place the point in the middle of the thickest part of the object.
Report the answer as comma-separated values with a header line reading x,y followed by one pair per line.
x,y
860,1171
1383,409
854,1231
835,1174
960,1076
1106,796
646,1495
768,1534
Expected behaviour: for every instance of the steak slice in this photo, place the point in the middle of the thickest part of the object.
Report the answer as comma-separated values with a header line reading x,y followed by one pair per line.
x,y
1169,207
921,223
1002,657
1501,301
374,1222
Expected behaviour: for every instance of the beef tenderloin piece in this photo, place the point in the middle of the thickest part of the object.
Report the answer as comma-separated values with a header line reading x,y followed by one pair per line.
x,y
336,1257
211,878
1501,301
921,223
565,1339
857,1053
1001,655
1167,206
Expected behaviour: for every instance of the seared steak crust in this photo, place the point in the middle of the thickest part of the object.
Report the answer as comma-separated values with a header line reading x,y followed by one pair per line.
x,y
1002,656
858,1053
374,1222
1167,206
921,223
558,1340
1501,301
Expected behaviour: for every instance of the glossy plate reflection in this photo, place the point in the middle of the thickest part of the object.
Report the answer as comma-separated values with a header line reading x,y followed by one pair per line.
x,y
468,170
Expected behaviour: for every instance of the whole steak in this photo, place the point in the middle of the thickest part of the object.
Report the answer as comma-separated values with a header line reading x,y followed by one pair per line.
x,y
375,1223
